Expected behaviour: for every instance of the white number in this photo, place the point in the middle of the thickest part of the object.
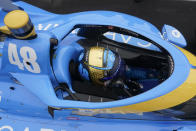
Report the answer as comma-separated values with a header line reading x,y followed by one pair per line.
x,y
13,56
29,58
32,59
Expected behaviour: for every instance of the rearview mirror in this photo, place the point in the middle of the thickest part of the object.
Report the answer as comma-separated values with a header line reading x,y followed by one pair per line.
x,y
174,36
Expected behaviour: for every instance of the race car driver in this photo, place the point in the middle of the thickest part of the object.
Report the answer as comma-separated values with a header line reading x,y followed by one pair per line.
x,y
105,67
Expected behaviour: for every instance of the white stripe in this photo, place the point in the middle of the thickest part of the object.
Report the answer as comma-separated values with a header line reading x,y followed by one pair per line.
x,y
47,26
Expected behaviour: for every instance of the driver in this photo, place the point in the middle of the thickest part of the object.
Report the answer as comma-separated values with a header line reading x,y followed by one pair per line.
x,y
105,67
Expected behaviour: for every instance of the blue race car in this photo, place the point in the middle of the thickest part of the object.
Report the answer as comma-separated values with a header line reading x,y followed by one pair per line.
x,y
96,67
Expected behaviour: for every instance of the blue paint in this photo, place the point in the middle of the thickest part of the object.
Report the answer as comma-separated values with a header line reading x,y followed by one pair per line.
x,y
90,124
180,62
65,50
33,93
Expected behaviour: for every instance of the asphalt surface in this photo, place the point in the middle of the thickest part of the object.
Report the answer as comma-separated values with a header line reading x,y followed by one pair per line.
x,y
178,13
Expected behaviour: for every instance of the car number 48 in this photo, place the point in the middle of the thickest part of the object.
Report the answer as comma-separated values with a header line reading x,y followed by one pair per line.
x,y
28,55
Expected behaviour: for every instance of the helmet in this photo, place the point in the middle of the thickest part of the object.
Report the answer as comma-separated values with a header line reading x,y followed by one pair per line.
x,y
99,64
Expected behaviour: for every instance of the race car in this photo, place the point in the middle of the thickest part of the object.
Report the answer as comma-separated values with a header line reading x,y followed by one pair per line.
x,y
52,65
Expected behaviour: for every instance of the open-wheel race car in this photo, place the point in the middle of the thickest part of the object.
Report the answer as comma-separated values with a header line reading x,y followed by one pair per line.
x,y
97,63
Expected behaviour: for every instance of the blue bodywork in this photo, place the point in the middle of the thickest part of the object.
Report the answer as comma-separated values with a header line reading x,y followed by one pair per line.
x,y
26,91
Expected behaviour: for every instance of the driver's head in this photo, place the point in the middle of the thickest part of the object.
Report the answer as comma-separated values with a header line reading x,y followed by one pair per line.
x,y
99,64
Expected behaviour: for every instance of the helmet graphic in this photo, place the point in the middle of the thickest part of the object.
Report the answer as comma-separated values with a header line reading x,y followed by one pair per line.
x,y
99,64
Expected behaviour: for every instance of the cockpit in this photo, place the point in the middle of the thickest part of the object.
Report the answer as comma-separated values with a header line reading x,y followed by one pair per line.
x,y
94,67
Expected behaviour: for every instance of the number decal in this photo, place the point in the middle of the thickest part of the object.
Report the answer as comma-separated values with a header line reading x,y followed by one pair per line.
x,y
29,58
13,56
32,59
